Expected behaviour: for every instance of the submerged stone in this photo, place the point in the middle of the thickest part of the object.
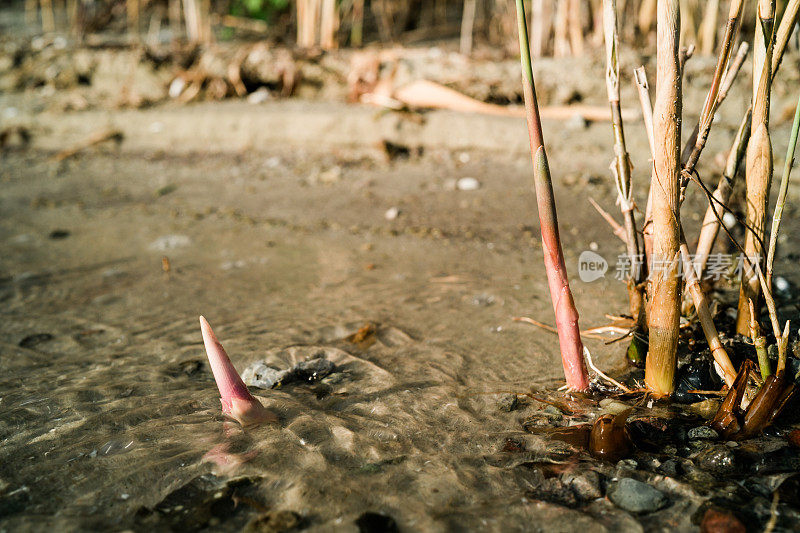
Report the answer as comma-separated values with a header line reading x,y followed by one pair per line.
x,y
636,497
719,460
703,432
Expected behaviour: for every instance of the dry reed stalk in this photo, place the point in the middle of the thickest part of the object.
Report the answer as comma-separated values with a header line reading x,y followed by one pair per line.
x,y
621,168
640,78
563,303
357,27
467,25
663,317
561,25
647,14
688,26
596,10
191,12
618,230
784,188
711,225
48,16
30,12
788,22
329,25
308,12
132,8
575,27
174,9
704,315
719,86
539,28
759,162
708,28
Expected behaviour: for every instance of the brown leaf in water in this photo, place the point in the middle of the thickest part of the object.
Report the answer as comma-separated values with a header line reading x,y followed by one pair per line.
x,y
364,337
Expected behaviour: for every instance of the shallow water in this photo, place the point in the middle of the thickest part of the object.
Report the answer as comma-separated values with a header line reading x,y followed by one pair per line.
x,y
108,406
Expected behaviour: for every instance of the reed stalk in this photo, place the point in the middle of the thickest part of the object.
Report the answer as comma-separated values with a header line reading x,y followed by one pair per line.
x,y
711,225
788,22
708,27
357,29
540,27
132,8
561,29
720,85
329,25
759,162
663,317
784,188
48,16
647,14
621,168
563,303
760,344
640,79
701,305
467,24
575,27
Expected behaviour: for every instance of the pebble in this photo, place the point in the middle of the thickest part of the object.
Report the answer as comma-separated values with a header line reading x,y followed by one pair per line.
x,y
782,285
391,213
703,432
719,460
636,497
585,485
176,87
670,468
729,220
259,96
468,184
262,376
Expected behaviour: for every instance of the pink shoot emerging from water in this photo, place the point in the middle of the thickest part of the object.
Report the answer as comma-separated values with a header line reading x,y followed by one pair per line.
x,y
237,402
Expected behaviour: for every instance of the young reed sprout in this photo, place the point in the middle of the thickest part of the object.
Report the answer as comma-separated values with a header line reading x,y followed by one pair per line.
x,y
563,304
760,343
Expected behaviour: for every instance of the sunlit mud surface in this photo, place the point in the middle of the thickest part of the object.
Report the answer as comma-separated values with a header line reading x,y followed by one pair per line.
x,y
110,416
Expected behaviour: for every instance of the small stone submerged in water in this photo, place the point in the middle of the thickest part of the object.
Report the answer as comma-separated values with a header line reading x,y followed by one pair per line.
x,y
263,376
636,497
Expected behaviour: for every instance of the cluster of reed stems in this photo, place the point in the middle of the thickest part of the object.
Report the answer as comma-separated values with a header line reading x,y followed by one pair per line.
x,y
668,265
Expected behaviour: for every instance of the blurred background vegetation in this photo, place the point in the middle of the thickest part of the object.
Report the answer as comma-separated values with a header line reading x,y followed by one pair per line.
x,y
559,27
